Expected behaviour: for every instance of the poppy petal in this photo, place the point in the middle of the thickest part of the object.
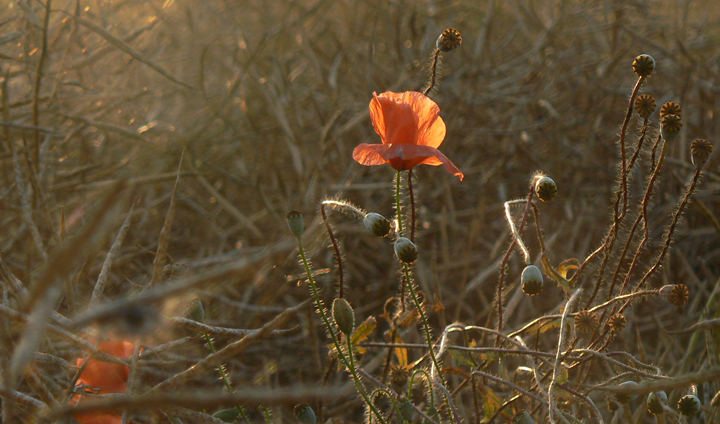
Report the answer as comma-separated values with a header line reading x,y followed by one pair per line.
x,y
404,156
393,118
431,127
370,154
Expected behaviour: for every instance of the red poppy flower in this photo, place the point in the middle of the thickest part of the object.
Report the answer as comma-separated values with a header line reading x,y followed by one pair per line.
x,y
104,377
411,130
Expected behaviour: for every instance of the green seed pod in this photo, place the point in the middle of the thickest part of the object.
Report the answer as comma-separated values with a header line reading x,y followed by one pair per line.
x,y
378,224
689,405
305,414
623,397
343,315
643,65
405,250
295,223
656,402
545,188
531,280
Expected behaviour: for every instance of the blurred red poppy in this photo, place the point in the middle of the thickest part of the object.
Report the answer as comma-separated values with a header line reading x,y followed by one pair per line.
x,y
411,130
104,377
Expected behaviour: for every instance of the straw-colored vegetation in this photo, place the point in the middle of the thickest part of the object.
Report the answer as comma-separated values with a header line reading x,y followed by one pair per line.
x,y
151,150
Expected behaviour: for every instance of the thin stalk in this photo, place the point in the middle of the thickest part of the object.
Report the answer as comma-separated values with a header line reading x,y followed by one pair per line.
x,y
336,249
423,318
433,72
323,314
412,206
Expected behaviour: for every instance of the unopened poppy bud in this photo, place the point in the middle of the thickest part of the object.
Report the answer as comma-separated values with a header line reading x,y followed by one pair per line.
x,y
448,40
197,311
405,250
656,402
531,280
523,418
624,397
700,150
643,65
677,294
545,188
689,405
670,108
670,126
343,315
378,224
645,105
295,223
305,414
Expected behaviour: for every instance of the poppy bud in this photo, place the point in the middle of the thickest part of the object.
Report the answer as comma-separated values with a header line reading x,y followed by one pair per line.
x,y
405,250
656,402
624,397
448,40
531,280
305,414
645,105
700,150
378,224
197,311
643,65
689,405
295,223
545,188
670,126
670,108
523,418
343,315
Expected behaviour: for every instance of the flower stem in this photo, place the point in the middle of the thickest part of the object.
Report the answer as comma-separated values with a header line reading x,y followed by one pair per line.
x,y
398,205
423,318
323,314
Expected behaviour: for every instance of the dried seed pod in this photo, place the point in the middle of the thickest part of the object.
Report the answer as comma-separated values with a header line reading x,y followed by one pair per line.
x,y
545,188
531,280
617,322
405,250
295,223
449,39
677,294
343,315
645,105
656,402
670,126
586,323
377,224
700,150
670,108
643,65
689,405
